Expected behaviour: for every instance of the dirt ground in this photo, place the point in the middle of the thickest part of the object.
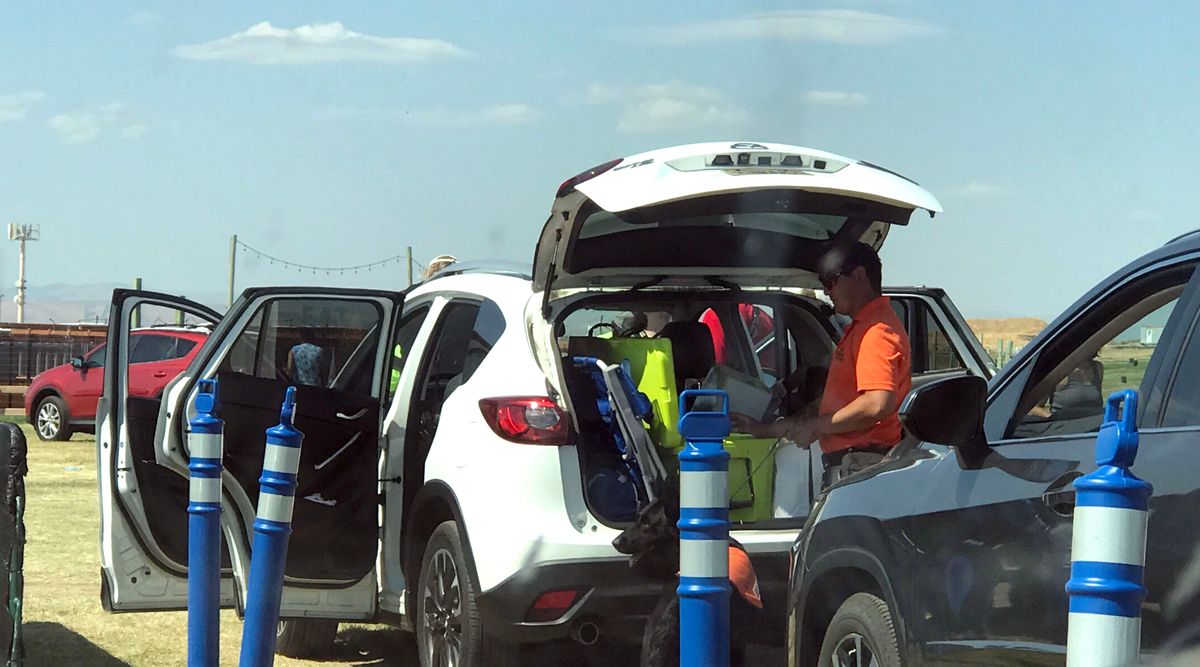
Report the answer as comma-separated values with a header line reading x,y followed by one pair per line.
x,y
1020,330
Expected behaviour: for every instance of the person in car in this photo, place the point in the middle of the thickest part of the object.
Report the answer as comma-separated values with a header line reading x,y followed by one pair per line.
x,y
871,371
304,364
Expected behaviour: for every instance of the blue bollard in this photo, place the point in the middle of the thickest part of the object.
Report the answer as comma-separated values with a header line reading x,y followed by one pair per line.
x,y
704,533
276,493
1108,548
205,449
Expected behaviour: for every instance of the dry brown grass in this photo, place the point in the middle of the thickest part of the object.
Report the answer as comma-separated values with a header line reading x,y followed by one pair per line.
x,y
64,624
1020,330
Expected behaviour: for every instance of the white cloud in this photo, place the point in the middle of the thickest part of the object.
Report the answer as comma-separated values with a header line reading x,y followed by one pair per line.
x,y
663,106
86,125
839,26
493,115
978,189
76,127
264,44
496,114
14,107
834,98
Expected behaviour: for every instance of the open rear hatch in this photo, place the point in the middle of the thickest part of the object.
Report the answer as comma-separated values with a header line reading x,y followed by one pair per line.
x,y
743,214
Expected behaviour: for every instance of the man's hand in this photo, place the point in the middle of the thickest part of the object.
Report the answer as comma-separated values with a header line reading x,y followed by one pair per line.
x,y
803,432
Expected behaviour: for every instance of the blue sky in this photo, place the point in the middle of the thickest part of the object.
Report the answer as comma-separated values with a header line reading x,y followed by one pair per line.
x,y
140,136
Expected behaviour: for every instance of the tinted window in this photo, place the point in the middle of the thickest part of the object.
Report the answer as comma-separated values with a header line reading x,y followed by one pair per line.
x,y
323,342
1106,351
1183,404
148,348
448,355
489,324
183,346
406,335
939,354
96,358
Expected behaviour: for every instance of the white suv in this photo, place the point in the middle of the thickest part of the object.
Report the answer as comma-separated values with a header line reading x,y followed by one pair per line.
x,y
458,475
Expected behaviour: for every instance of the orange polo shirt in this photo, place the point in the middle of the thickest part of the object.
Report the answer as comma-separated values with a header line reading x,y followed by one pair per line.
x,y
873,354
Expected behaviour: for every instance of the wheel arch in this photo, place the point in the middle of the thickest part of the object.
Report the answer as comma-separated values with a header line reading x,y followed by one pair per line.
x,y
831,580
435,504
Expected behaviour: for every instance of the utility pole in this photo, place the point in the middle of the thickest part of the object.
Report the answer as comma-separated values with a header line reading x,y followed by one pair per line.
x,y
22,233
232,265
408,264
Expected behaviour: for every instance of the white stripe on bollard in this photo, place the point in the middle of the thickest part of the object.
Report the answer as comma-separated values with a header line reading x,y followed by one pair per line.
x,y
703,489
204,490
1098,640
204,445
704,558
282,459
274,507
1109,535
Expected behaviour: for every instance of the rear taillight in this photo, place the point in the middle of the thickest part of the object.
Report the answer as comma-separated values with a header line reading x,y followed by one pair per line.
x,y
551,606
530,420
569,185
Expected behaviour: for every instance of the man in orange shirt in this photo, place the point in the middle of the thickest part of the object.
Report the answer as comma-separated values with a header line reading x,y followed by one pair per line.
x,y
871,372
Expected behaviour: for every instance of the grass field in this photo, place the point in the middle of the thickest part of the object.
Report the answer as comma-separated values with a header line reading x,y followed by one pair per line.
x,y
64,624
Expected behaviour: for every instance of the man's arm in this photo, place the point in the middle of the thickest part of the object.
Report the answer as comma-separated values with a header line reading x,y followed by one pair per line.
x,y
858,415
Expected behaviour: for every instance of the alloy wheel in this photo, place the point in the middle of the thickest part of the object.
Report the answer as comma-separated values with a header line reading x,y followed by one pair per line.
x,y
442,612
49,420
853,651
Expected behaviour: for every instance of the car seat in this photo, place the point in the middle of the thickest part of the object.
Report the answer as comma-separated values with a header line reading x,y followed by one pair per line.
x,y
692,350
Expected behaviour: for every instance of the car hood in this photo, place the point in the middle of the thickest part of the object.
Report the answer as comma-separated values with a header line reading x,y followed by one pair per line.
x,y
740,213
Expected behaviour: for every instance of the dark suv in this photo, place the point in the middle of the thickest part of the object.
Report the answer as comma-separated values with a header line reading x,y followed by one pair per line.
x,y
958,552
63,399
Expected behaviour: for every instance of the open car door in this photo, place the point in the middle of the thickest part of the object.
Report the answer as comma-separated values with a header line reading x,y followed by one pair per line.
x,y
328,343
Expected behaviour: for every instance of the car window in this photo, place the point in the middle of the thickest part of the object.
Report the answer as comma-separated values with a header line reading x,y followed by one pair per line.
x,y
96,358
183,346
447,357
1183,401
932,350
406,334
938,352
320,342
1106,350
151,347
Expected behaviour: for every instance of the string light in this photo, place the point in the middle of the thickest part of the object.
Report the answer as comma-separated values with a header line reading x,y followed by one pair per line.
x,y
340,270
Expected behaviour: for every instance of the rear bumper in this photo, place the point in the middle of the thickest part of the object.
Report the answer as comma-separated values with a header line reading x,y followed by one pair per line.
x,y
615,597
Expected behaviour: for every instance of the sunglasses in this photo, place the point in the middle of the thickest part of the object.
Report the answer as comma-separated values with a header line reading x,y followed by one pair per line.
x,y
829,280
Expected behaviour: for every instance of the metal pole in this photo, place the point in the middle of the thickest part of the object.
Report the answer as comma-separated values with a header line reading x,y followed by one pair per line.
x,y
206,449
703,533
232,265
272,528
1108,547
136,317
21,282
409,264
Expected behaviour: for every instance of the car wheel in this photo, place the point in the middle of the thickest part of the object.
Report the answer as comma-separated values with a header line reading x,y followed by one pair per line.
x,y
51,420
861,634
449,631
305,637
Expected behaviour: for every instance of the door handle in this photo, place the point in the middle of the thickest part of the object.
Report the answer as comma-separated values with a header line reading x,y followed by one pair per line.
x,y
160,374
356,415
1060,495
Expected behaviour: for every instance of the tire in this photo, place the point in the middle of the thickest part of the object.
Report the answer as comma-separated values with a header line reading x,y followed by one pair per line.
x,y
861,633
51,420
305,637
448,628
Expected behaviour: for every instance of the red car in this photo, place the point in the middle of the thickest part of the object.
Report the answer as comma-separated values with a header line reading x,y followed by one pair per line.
x,y
63,399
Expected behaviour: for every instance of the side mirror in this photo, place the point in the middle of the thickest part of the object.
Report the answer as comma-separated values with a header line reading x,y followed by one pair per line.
x,y
77,362
948,412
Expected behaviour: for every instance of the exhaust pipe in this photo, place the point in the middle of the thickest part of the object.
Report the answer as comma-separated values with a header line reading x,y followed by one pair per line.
x,y
585,633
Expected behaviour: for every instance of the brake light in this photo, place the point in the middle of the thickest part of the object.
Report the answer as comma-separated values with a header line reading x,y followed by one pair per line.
x,y
568,186
530,420
551,606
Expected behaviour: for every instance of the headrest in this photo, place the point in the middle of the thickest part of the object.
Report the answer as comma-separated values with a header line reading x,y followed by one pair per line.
x,y
691,348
